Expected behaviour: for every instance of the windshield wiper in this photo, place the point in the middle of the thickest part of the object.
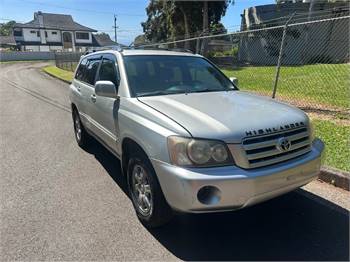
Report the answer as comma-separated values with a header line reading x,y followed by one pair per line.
x,y
206,90
159,93
211,90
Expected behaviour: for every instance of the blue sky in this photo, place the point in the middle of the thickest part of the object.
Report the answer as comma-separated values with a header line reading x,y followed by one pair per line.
x,y
98,14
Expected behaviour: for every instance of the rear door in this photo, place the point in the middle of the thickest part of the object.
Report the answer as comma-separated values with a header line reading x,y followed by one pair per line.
x,y
105,109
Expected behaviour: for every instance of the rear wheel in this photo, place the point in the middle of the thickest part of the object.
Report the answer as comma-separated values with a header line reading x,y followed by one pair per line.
x,y
81,136
146,194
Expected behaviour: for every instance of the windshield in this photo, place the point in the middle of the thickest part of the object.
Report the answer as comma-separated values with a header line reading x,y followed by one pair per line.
x,y
151,75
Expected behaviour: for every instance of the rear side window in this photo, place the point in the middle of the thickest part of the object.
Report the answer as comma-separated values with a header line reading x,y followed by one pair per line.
x,y
109,71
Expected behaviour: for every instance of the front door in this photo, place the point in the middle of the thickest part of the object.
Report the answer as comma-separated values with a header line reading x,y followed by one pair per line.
x,y
105,110
67,40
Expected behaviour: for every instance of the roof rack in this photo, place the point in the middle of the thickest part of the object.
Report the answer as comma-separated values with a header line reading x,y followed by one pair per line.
x,y
103,48
121,49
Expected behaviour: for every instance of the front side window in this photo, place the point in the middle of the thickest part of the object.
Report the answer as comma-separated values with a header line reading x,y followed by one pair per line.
x,y
87,69
80,74
91,69
108,71
163,74
84,36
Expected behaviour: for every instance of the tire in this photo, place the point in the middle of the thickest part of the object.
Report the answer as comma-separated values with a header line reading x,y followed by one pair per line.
x,y
81,136
146,186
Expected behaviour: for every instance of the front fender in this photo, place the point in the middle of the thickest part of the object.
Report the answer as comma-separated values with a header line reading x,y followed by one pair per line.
x,y
148,128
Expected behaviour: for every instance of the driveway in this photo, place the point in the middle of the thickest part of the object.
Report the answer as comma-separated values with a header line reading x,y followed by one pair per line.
x,y
60,202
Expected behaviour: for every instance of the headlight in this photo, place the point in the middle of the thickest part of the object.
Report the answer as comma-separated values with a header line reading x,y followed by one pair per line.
x,y
198,152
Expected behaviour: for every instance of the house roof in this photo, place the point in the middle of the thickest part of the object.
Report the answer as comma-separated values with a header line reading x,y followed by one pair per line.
x,y
102,40
7,40
54,21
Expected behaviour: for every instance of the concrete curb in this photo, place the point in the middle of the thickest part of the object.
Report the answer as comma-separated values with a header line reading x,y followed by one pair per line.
x,y
63,80
335,177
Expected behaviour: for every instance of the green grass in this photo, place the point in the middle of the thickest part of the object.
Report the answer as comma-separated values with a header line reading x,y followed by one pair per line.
x,y
336,138
326,84
59,73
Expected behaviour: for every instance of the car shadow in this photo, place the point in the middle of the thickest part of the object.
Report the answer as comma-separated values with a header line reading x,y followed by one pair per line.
x,y
296,226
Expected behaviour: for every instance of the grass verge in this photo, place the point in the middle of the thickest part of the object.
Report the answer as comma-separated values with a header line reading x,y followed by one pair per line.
x,y
336,138
64,75
326,84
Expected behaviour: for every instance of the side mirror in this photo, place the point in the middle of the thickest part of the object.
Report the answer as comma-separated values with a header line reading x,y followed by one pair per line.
x,y
234,80
106,89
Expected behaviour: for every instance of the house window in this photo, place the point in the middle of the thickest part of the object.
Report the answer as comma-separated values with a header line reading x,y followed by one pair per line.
x,y
84,36
17,32
33,32
38,33
46,34
54,33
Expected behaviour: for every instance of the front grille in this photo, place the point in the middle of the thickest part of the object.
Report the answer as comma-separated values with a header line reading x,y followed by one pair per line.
x,y
262,150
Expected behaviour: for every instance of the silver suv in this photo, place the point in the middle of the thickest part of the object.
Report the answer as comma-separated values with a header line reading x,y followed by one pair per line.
x,y
187,138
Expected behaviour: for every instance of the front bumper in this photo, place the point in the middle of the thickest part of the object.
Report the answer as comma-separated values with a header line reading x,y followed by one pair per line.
x,y
237,188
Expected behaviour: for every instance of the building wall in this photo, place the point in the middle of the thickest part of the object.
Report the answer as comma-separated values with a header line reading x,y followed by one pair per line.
x,y
53,37
321,42
51,41
23,56
31,37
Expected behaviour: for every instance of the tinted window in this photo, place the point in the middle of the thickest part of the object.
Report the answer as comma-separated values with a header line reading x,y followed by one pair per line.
x,y
161,75
108,71
80,75
91,69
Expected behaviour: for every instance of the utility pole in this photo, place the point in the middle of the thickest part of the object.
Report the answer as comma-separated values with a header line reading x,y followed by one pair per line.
x,y
115,28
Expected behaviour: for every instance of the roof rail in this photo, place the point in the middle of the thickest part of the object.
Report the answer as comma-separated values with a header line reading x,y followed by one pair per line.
x,y
163,48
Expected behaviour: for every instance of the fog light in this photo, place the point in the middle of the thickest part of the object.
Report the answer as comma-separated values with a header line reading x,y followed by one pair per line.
x,y
209,195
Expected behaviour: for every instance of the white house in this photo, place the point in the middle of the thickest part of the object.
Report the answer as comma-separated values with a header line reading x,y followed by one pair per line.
x,y
53,32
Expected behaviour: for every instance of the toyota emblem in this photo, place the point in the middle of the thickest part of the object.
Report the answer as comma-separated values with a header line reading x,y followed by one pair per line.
x,y
283,144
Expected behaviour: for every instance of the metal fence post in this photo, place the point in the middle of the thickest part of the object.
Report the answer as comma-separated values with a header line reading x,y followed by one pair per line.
x,y
278,68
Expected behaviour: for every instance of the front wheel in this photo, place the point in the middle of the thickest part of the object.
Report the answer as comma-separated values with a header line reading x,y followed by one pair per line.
x,y
146,194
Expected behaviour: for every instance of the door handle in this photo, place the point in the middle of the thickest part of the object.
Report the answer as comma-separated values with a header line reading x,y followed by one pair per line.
x,y
93,98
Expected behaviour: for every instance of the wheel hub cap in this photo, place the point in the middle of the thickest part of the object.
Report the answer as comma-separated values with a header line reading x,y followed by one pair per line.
x,y
142,190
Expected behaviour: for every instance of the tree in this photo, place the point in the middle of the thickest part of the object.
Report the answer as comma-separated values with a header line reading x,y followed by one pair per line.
x,y
140,40
6,28
171,20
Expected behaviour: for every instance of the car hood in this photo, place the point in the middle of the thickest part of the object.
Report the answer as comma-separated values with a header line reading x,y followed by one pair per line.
x,y
225,115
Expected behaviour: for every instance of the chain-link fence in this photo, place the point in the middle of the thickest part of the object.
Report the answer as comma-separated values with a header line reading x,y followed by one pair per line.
x,y
304,63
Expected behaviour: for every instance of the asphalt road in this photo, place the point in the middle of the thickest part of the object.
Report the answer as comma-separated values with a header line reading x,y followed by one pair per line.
x,y
60,202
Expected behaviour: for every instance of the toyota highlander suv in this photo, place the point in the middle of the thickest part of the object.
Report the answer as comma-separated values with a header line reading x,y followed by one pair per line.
x,y
187,138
